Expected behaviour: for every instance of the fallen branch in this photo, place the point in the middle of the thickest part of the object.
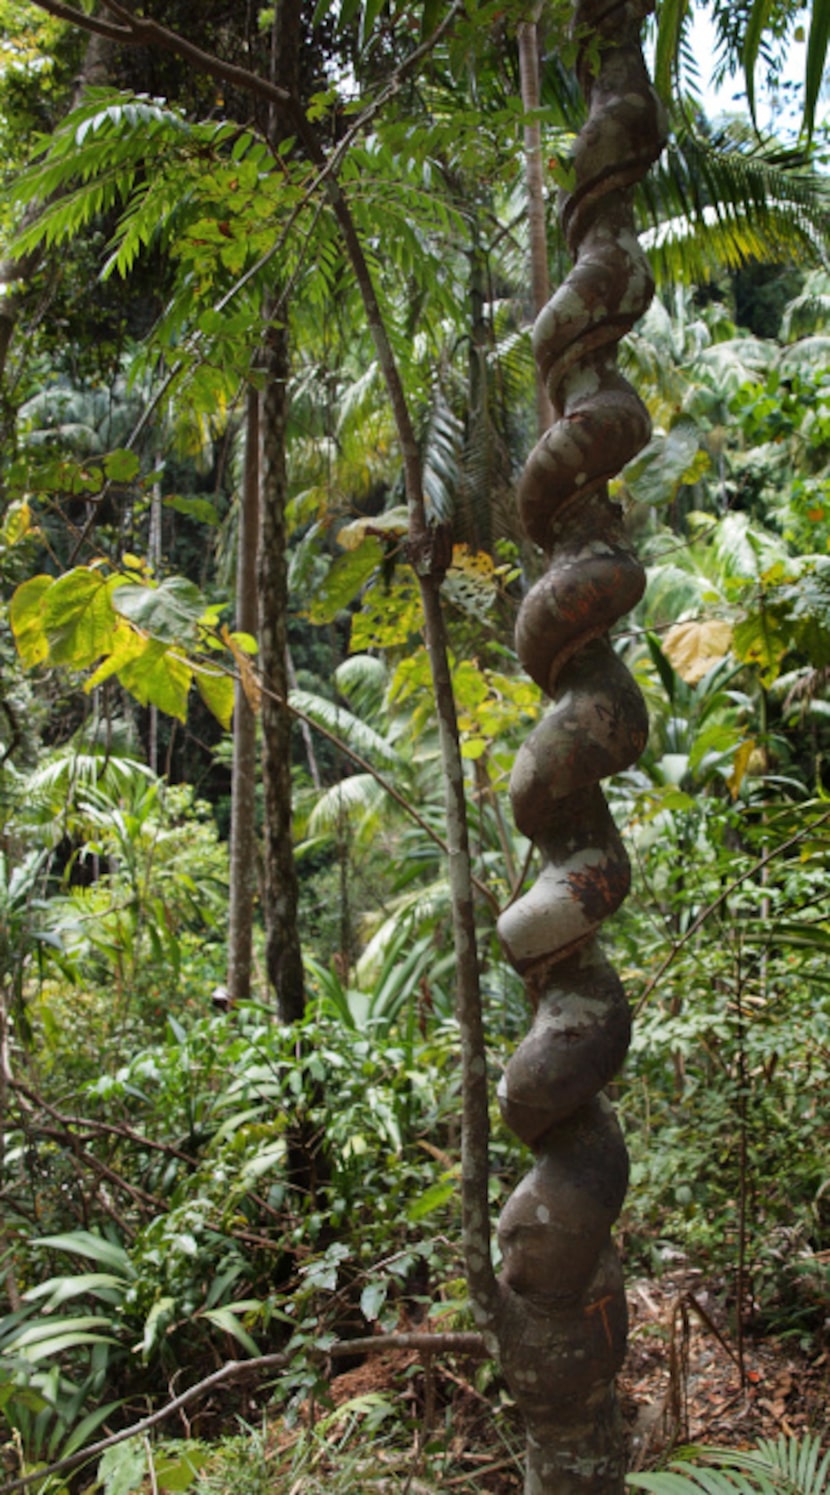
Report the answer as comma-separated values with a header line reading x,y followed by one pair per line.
x,y
462,1343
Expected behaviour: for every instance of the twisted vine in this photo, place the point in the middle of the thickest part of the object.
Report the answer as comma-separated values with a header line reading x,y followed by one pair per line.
x,y
563,1327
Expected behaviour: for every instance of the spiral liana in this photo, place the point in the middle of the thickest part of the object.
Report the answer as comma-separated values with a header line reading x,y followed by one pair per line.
x,y
563,1330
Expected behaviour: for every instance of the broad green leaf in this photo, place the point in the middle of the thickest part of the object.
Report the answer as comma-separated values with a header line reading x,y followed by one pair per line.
x,y
655,475
244,641
177,1471
158,677
761,640
127,645
389,615
195,508
394,524
167,612
121,466
473,747
79,618
344,580
432,1199
26,618
17,523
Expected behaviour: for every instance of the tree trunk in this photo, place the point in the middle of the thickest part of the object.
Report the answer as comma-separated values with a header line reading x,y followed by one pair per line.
x,y
282,943
528,39
243,849
562,1330
283,955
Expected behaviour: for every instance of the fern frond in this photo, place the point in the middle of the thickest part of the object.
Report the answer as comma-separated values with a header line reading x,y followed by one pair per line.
x,y
785,1466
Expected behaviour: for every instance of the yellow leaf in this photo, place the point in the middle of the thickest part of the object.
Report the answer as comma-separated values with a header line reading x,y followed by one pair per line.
x,y
247,676
694,647
389,526
742,762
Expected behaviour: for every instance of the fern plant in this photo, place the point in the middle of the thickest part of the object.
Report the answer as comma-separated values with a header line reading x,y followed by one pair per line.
x,y
782,1466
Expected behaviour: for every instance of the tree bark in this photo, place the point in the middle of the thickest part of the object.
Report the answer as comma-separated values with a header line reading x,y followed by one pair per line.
x,y
528,38
283,956
562,1330
243,849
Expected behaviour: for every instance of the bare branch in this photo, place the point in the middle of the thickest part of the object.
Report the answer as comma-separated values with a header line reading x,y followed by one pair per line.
x,y
427,1344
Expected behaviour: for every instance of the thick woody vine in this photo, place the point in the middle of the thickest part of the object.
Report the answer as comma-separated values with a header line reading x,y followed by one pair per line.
x,y
562,1327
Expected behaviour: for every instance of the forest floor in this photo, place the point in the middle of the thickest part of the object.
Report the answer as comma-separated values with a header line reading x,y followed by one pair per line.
x,y
682,1384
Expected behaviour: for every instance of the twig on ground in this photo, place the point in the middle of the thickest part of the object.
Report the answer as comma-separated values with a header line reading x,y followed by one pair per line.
x,y
461,1343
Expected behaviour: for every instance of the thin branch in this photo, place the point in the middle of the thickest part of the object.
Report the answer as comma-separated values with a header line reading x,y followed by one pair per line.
x,y
461,1343
90,1125
711,908
68,13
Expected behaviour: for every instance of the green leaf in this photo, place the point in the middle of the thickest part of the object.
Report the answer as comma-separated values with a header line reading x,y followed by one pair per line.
x,y
372,1299
59,1289
195,508
344,580
158,677
121,466
79,618
430,17
755,27
167,612
178,1471
225,1318
123,1468
26,618
432,1199
389,616
84,1243
761,640
87,1425
655,475
670,25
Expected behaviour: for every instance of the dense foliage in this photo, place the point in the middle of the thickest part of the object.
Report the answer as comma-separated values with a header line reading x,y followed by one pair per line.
x,y
183,1184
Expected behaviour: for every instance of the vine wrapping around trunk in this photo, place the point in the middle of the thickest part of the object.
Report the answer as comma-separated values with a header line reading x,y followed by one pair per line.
x,y
563,1318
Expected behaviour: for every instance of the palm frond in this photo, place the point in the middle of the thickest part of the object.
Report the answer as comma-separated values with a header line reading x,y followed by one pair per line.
x,y
784,1466
729,199
346,803
363,679
346,726
810,351
441,449
809,312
